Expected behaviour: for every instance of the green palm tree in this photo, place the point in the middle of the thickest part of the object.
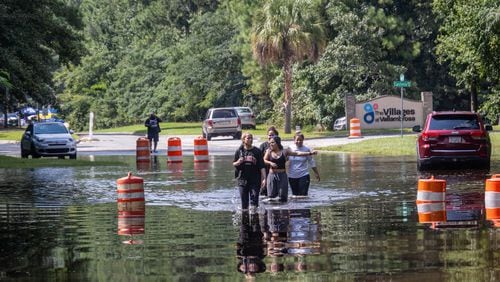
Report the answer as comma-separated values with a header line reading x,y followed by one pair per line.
x,y
287,32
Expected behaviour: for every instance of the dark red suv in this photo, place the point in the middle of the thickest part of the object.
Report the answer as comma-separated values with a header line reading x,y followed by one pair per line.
x,y
453,138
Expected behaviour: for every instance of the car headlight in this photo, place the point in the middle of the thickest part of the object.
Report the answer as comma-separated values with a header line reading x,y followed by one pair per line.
x,y
38,139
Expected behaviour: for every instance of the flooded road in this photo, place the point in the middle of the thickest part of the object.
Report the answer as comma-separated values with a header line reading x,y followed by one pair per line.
x,y
361,222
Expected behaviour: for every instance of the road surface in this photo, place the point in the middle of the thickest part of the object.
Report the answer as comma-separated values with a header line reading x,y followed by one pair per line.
x,y
125,144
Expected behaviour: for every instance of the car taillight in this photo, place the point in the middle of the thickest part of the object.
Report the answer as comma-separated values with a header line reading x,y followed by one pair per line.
x,y
426,137
478,135
239,121
210,122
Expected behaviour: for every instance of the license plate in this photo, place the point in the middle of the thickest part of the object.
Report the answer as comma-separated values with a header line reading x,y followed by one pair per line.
x,y
455,139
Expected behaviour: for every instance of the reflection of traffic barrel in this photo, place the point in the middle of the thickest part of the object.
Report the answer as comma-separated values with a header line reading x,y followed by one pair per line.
x,y
130,193
142,150
200,150
431,190
492,199
131,223
431,212
200,174
354,128
174,153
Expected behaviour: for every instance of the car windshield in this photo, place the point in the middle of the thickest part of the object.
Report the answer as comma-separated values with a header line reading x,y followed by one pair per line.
x,y
451,122
244,110
224,114
51,128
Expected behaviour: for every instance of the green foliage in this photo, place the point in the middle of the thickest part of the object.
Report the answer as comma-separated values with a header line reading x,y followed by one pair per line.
x,y
469,41
287,32
180,57
36,37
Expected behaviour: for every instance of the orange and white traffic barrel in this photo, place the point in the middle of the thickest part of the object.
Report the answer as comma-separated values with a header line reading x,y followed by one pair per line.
x,y
354,128
130,194
174,152
431,190
200,150
142,150
492,199
431,212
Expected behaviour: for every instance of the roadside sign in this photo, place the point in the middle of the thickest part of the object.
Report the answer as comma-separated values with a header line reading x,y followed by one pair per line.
x,y
402,84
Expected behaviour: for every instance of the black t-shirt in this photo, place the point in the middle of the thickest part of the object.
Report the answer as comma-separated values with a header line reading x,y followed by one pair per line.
x,y
249,170
153,125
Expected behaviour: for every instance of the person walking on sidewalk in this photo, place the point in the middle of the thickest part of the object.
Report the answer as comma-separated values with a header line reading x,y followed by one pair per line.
x,y
298,168
153,125
250,172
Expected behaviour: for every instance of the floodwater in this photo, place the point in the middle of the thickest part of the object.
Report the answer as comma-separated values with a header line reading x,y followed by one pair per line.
x,y
361,222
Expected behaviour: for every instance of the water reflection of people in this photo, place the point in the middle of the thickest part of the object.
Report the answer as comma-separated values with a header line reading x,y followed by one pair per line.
x,y
276,237
290,233
250,246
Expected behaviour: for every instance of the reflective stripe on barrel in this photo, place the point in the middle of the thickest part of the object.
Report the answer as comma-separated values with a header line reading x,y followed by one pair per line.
x,y
431,190
200,149
174,152
492,197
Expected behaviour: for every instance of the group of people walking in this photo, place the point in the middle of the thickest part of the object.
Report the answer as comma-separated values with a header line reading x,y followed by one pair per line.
x,y
262,171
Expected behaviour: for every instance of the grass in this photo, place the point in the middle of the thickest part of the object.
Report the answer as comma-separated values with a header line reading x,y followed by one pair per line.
x,y
13,162
388,146
11,134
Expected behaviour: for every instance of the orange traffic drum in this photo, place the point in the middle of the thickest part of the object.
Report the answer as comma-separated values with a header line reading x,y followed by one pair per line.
x,y
174,152
200,150
431,190
142,150
130,193
354,128
492,197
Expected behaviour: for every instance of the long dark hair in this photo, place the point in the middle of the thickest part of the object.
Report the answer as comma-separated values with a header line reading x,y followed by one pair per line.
x,y
277,139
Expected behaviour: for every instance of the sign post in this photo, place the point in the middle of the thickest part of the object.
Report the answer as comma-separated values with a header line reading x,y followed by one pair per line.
x,y
402,83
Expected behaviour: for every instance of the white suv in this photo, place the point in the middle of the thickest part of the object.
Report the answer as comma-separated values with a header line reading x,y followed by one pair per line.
x,y
221,122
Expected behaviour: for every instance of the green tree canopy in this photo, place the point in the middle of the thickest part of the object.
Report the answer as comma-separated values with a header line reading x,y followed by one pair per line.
x,y
36,37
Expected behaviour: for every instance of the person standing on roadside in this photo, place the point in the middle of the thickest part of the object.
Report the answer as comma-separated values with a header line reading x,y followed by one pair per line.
x,y
250,172
277,179
271,132
153,125
298,169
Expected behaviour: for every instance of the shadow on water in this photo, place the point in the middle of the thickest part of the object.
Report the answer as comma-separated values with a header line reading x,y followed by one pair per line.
x,y
361,222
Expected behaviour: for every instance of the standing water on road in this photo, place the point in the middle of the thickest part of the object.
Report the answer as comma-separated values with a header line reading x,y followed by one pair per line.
x,y
360,223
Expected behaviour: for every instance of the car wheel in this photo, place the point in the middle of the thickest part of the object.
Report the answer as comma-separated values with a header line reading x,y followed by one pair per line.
x,y
209,137
237,136
33,153
254,127
73,157
24,154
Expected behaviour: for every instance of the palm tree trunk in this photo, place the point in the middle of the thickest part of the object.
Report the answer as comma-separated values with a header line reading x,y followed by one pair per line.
x,y
287,74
